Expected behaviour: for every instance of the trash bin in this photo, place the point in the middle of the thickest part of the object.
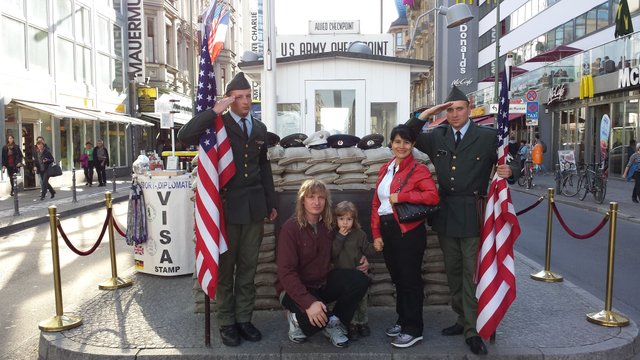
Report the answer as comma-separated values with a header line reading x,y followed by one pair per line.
x,y
169,249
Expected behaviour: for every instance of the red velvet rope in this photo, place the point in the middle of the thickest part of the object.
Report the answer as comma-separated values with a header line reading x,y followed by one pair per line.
x,y
524,211
94,247
117,227
578,236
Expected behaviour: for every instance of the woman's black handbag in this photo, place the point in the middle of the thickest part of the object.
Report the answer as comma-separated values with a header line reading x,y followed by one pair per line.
x,y
409,212
54,170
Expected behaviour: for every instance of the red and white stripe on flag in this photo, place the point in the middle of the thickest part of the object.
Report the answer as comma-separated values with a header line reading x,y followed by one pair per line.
x,y
215,169
495,272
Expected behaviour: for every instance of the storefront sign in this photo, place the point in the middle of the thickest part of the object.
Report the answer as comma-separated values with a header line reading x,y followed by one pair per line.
x,y
334,27
135,37
146,99
292,45
557,93
256,46
169,248
462,82
628,77
463,48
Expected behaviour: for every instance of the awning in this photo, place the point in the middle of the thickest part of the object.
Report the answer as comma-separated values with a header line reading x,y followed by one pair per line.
x,y
484,120
55,110
555,54
513,117
178,118
438,121
515,71
100,115
132,120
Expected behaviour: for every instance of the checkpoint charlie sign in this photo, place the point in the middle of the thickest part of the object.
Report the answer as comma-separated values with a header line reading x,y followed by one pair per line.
x,y
334,27
169,249
292,45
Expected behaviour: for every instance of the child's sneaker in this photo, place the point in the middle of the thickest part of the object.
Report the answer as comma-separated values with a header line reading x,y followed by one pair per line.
x,y
295,333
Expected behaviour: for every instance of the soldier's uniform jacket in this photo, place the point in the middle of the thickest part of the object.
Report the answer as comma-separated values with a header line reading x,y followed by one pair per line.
x,y
463,174
249,196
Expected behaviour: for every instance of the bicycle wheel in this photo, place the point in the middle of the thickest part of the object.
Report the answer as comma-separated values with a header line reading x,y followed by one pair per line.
x,y
522,179
583,187
570,185
601,190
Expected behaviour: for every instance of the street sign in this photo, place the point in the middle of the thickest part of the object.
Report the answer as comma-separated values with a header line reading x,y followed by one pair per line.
x,y
532,95
513,108
532,122
532,110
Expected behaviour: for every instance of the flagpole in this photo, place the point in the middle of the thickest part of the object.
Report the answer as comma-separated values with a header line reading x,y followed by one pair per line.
x,y
269,88
496,75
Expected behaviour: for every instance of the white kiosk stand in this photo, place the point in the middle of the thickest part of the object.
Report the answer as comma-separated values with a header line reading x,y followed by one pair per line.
x,y
169,249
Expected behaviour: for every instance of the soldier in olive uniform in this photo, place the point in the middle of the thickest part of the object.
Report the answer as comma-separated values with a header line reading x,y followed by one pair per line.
x,y
248,198
464,155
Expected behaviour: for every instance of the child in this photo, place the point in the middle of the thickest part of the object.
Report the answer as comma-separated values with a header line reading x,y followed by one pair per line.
x,y
348,248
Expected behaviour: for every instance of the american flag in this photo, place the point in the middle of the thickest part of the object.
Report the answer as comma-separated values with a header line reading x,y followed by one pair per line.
x,y
215,169
495,266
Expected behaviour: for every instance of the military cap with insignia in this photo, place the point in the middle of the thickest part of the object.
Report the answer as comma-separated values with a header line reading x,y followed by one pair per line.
x,y
272,139
293,140
239,82
371,141
342,141
317,140
456,95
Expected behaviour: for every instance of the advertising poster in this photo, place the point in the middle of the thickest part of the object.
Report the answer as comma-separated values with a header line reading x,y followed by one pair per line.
x,y
567,161
605,129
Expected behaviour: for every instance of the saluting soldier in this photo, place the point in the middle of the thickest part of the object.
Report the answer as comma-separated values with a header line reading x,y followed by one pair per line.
x,y
248,198
463,155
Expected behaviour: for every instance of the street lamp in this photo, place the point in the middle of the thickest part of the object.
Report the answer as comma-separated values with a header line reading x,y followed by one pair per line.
x,y
457,15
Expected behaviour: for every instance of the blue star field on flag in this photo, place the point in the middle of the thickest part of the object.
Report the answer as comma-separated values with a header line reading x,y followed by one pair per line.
x,y
503,114
206,97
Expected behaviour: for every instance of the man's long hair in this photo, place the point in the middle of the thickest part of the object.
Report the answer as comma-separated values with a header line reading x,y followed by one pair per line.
x,y
306,189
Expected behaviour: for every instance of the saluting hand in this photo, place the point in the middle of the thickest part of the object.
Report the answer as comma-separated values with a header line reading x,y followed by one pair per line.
x,y
222,104
434,110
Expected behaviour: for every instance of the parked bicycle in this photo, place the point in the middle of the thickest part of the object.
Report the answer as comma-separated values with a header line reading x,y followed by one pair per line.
x,y
526,175
593,180
569,183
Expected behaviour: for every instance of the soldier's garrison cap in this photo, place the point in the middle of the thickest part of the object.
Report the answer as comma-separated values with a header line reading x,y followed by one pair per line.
x,y
371,141
456,95
342,141
239,82
293,140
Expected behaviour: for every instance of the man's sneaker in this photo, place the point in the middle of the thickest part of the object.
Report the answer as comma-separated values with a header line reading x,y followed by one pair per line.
x,y
295,333
335,332
393,331
405,340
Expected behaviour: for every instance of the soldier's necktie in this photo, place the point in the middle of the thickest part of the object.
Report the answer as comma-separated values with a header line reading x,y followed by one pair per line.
x,y
458,137
244,128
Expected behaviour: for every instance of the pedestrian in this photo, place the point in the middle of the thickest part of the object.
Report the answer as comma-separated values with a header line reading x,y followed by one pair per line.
x,y
248,198
633,171
86,161
464,156
11,160
631,148
349,247
42,160
402,179
543,147
101,161
524,153
306,284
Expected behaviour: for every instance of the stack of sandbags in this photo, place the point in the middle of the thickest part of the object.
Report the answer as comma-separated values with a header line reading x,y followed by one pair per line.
x,y
266,274
374,160
382,292
323,166
436,289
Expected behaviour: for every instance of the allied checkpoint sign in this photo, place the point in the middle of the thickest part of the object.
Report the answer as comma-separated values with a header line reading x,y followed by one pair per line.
x,y
169,249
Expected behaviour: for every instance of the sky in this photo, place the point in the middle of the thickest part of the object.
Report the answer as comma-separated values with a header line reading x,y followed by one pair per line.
x,y
292,16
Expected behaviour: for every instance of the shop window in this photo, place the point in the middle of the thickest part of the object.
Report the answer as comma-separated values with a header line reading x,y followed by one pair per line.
x,y
13,38
65,143
102,133
113,145
38,50
384,117
37,12
63,17
289,119
64,59
122,144
77,144
89,133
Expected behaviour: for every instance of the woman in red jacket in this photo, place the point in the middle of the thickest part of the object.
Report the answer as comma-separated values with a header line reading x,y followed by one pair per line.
x,y
403,244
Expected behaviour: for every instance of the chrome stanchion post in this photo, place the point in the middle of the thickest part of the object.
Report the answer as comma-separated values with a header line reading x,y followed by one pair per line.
x,y
60,321
607,317
114,282
546,275
16,205
73,185
114,178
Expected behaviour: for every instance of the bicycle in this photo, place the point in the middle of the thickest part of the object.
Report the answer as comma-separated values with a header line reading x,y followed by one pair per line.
x,y
526,175
593,180
569,183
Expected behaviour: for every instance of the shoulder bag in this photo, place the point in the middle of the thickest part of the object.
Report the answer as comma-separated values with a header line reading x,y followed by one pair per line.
x,y
54,170
409,212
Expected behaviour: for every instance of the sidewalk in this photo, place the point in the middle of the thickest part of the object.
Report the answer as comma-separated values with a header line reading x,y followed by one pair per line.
x,y
33,211
155,319
618,191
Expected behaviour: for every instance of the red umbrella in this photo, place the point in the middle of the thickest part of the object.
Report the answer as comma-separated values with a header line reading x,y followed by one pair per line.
x,y
515,71
555,54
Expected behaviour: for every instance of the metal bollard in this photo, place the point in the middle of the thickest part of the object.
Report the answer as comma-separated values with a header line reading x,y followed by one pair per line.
x,y
607,317
558,179
114,178
546,275
73,185
114,282
16,205
60,321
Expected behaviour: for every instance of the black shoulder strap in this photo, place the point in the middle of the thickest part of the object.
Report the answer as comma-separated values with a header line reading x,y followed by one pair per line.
x,y
404,181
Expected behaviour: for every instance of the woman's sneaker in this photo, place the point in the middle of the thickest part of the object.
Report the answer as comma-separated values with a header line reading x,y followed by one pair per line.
x,y
405,340
393,331
295,333
336,334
